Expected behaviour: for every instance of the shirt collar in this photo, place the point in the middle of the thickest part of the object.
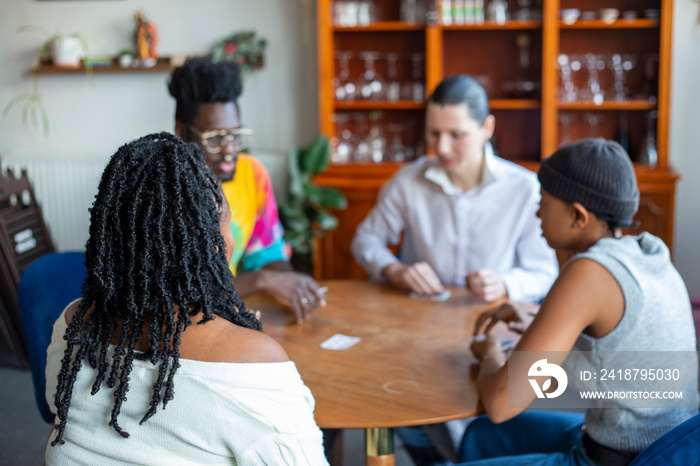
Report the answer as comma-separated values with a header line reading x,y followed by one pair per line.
x,y
435,173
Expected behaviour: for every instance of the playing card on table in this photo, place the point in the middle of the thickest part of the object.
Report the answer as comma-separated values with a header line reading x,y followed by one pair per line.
x,y
339,342
442,296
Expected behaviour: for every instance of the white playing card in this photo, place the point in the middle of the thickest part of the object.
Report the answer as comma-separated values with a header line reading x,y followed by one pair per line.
x,y
442,296
339,342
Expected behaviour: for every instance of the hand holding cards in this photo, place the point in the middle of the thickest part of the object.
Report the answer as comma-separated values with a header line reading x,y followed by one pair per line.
x,y
442,296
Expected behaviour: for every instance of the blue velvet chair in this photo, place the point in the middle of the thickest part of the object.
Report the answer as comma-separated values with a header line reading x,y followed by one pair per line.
x,y
45,288
680,445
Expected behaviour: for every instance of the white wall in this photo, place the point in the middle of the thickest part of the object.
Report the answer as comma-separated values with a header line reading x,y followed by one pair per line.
x,y
279,102
94,116
685,139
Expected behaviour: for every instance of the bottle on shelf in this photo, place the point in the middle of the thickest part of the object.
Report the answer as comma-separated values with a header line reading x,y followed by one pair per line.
x,y
413,11
498,11
446,12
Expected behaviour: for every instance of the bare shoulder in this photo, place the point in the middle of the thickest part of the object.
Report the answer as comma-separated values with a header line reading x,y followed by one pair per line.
x,y
222,341
71,310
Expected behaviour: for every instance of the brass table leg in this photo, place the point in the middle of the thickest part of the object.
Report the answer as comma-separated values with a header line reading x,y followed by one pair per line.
x,y
379,446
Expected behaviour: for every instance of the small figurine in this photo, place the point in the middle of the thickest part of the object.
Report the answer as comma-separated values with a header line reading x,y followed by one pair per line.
x,y
146,42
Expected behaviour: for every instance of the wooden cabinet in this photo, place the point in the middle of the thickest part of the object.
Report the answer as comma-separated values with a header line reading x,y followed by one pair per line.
x,y
627,101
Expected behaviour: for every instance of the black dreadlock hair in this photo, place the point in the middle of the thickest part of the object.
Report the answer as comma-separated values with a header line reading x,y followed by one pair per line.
x,y
198,81
155,257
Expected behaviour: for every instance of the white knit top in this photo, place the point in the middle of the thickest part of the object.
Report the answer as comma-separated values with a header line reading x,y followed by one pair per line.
x,y
222,413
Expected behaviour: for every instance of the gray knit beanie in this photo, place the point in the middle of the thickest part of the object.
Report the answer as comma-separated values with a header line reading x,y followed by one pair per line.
x,y
596,173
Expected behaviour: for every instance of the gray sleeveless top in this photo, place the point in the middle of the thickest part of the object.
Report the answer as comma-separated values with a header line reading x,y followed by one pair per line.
x,y
657,317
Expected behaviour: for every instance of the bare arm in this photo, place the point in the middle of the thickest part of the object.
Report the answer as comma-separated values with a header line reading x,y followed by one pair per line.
x,y
297,291
585,297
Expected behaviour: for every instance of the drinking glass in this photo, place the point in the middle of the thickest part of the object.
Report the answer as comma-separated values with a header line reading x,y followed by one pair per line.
x,y
415,88
396,152
593,119
343,88
343,147
361,146
620,65
594,63
568,65
393,86
371,86
375,138
565,120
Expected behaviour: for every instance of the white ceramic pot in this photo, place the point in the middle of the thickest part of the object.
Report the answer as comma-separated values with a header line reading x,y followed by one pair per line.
x,y
66,51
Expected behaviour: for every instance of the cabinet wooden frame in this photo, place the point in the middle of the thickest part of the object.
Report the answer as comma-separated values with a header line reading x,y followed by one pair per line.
x,y
541,114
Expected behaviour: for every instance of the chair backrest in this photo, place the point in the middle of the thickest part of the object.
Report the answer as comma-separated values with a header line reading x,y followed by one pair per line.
x,y
680,445
45,288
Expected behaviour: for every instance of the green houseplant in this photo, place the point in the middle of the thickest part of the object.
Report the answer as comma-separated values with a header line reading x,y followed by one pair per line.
x,y
305,211
65,51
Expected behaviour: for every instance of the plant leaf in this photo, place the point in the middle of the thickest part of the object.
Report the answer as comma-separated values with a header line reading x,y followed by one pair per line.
x,y
326,221
295,180
15,101
331,197
316,157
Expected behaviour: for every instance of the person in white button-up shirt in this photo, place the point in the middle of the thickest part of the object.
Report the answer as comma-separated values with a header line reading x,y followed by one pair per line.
x,y
467,219
467,216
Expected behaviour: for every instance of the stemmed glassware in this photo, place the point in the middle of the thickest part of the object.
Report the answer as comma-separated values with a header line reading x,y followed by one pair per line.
x,y
594,63
393,86
593,119
343,146
620,65
565,120
343,88
361,145
371,86
568,65
396,151
375,138
415,89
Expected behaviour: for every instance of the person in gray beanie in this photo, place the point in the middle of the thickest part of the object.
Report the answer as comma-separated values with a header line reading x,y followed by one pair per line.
x,y
617,293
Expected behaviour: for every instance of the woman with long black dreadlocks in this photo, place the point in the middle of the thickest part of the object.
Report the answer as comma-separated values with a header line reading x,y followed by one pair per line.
x,y
157,263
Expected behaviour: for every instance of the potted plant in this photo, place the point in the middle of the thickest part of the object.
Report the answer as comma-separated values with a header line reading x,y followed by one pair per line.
x,y
305,211
64,51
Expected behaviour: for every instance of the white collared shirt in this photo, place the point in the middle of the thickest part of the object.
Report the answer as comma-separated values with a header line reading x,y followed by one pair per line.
x,y
491,226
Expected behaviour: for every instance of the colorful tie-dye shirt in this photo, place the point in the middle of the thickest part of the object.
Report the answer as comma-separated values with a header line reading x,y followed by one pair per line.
x,y
254,219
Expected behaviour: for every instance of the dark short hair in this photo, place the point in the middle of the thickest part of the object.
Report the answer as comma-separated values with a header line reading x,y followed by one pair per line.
x,y
463,89
199,81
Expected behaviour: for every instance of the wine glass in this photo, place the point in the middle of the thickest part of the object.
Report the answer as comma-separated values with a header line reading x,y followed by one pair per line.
x,y
371,86
375,138
620,65
593,119
361,146
415,88
393,86
565,120
343,88
396,152
594,63
342,143
567,66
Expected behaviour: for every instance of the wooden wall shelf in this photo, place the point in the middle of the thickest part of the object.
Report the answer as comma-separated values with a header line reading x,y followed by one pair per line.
x,y
162,66
608,105
619,24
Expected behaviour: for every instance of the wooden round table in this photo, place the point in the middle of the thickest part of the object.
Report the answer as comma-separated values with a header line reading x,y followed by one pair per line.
x,y
412,366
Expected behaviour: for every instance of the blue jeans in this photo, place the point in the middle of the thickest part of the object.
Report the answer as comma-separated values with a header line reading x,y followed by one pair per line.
x,y
531,438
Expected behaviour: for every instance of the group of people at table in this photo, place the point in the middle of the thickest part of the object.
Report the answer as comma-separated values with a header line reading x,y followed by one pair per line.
x,y
177,244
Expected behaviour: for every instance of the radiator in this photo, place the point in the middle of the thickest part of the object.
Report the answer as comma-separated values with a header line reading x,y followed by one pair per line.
x,y
65,189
